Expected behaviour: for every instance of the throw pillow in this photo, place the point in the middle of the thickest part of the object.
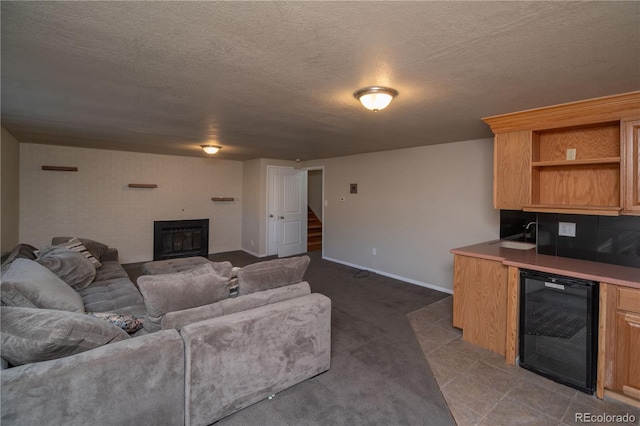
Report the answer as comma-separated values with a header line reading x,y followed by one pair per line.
x,y
28,284
96,248
32,335
77,245
71,266
127,322
272,274
175,292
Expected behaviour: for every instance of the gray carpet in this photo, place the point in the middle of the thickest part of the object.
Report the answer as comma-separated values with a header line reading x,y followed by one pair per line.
x,y
378,373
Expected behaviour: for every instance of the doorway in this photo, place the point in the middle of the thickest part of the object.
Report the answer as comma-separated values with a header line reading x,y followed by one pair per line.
x,y
315,197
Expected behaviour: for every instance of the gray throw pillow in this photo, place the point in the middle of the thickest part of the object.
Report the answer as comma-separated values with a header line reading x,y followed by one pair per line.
x,y
28,284
32,335
76,245
96,248
71,266
175,292
272,274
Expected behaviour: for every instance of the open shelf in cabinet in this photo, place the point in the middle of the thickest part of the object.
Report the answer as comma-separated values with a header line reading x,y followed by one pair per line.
x,y
589,182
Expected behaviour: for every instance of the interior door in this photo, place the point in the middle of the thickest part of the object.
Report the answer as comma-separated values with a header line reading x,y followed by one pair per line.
x,y
292,212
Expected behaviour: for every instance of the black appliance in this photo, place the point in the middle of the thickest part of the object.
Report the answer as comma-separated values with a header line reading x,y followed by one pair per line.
x,y
559,328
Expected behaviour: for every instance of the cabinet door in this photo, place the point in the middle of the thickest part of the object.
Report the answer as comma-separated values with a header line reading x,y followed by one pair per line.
x,y
480,301
631,167
628,354
512,170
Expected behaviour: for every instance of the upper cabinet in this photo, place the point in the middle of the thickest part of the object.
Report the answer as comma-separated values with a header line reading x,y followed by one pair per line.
x,y
579,158
631,154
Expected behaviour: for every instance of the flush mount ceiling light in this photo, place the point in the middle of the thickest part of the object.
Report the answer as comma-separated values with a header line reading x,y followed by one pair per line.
x,y
211,149
375,98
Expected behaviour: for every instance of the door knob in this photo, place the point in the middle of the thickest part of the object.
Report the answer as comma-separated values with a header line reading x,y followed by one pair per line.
x,y
281,217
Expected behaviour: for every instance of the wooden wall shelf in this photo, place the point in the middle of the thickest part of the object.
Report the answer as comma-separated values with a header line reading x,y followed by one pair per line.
x,y
60,168
222,199
143,185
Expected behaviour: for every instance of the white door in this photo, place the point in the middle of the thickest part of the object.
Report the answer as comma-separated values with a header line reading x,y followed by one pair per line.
x,y
287,211
292,212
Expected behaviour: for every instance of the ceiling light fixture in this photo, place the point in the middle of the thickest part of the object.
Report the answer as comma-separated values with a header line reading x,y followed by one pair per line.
x,y
375,98
211,149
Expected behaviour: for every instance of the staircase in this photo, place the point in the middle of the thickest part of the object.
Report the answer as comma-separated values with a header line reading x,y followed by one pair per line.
x,y
314,232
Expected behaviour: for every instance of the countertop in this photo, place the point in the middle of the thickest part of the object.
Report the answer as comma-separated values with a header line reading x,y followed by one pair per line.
x,y
577,268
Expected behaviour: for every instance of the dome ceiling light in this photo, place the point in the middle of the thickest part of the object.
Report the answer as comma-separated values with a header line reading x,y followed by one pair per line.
x,y
211,149
375,98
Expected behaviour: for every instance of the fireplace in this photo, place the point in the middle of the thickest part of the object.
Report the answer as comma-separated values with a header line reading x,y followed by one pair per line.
x,y
180,238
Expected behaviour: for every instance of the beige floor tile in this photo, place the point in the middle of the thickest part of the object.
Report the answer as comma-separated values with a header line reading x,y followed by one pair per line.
x,y
433,337
450,358
549,384
510,412
497,379
473,395
465,347
463,415
552,404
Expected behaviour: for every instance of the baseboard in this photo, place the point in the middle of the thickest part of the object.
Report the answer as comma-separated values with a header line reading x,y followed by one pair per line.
x,y
395,277
253,253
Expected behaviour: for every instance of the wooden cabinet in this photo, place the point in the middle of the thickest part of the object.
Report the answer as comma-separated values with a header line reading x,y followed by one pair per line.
x,y
512,170
631,165
574,158
480,301
619,342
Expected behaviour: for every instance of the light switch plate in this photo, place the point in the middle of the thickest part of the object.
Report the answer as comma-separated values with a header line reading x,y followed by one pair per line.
x,y
566,229
571,153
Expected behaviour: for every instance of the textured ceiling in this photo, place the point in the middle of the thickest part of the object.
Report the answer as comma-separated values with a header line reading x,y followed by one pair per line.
x,y
275,79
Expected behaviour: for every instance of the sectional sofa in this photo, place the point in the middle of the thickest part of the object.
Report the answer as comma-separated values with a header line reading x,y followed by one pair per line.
x,y
73,351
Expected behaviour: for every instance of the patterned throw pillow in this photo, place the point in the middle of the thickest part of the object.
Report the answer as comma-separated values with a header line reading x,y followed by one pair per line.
x,y
127,322
76,245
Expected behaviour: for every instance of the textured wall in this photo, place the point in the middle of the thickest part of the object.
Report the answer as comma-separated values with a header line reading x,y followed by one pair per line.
x,y
413,206
97,203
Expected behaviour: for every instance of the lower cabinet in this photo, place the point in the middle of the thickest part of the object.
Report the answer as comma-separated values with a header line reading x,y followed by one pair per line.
x,y
480,301
620,342
627,364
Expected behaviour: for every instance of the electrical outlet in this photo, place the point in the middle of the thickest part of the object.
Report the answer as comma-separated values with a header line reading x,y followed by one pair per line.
x,y
571,153
374,251
566,229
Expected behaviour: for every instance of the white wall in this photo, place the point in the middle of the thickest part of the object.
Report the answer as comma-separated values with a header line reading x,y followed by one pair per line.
x,y
97,203
413,206
10,171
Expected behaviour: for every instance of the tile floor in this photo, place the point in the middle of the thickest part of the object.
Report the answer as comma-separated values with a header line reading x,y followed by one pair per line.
x,y
481,389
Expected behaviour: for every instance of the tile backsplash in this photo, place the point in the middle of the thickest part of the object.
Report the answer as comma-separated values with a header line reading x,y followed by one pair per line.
x,y
606,239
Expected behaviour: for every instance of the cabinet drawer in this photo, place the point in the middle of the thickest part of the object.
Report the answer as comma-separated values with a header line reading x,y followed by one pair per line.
x,y
629,299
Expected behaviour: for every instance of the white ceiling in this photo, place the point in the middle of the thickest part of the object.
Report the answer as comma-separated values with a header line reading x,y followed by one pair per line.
x,y
276,79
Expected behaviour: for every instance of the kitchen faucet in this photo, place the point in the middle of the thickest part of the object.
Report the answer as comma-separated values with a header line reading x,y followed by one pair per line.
x,y
526,228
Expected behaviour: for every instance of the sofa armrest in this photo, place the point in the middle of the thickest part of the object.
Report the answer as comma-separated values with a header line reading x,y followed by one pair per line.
x,y
136,381
179,319
236,360
110,255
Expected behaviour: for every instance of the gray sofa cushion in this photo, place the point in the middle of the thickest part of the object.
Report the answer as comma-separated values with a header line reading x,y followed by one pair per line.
x,y
174,292
110,270
271,274
69,265
173,266
115,295
28,284
184,317
32,335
